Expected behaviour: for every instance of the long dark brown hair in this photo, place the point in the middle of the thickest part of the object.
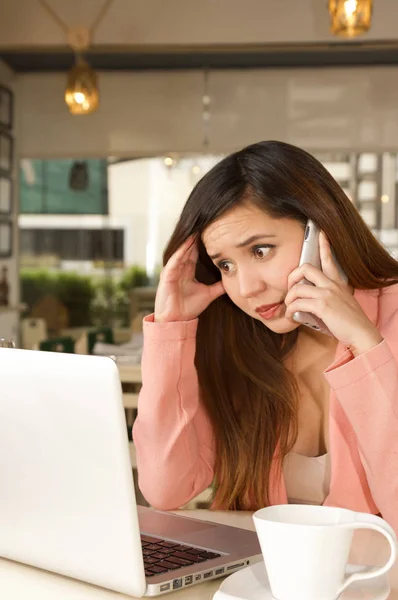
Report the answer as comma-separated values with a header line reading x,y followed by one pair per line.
x,y
250,396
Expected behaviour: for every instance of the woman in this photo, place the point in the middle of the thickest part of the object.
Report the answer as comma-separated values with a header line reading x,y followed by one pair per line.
x,y
235,391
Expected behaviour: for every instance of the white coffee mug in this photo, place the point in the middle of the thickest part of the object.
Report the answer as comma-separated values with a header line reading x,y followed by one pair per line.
x,y
306,548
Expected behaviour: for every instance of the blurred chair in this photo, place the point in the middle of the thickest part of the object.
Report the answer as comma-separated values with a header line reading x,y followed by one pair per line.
x,y
55,314
60,344
33,331
103,334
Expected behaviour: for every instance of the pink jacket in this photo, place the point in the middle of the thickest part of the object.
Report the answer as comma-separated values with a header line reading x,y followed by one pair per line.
x,y
174,438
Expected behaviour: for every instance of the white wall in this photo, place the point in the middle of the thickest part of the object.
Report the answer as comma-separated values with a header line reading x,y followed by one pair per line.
x,y
128,189
151,113
9,321
148,197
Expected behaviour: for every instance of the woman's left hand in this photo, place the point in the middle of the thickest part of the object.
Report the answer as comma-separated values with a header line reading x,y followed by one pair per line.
x,y
331,300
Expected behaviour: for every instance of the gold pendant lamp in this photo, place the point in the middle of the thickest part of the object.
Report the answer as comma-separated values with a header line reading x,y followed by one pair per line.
x,y
82,89
350,18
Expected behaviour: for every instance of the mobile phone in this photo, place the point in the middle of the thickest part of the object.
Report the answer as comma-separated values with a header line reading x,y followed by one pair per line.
x,y
310,254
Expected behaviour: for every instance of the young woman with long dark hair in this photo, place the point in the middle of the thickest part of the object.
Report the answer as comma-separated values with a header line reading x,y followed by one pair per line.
x,y
235,392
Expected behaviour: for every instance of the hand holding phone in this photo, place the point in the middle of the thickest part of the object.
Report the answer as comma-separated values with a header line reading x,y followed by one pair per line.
x,y
310,254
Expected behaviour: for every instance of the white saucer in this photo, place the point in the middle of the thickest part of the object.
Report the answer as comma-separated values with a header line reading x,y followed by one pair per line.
x,y
252,584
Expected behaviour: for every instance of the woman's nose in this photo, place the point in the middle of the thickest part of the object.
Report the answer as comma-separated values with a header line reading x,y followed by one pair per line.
x,y
250,283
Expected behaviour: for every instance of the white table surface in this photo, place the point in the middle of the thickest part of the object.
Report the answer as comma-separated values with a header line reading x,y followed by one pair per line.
x,y
19,582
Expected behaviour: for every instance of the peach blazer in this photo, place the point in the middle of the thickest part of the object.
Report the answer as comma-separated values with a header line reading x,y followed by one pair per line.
x,y
174,438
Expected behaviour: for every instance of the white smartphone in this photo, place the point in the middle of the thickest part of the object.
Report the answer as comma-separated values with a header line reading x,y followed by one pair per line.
x,y
310,254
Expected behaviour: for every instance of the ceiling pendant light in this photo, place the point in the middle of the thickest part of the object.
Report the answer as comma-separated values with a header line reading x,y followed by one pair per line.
x,y
350,18
82,92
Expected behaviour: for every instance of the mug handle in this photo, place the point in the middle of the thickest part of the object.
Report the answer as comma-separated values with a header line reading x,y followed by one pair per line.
x,y
364,521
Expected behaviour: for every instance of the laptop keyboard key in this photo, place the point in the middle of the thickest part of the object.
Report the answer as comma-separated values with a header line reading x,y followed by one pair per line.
x,y
179,561
153,547
149,573
166,564
151,540
183,555
169,544
157,569
159,555
194,558
196,550
181,548
210,555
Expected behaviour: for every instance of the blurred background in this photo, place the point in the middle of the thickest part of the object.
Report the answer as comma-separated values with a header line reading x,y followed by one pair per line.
x,y
112,110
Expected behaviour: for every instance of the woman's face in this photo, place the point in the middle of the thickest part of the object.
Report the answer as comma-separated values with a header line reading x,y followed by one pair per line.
x,y
255,254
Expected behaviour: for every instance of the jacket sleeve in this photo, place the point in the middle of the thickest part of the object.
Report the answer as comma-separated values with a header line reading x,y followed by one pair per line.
x,y
367,388
172,433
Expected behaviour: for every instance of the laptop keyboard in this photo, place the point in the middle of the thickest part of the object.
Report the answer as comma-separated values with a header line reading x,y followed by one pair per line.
x,y
161,556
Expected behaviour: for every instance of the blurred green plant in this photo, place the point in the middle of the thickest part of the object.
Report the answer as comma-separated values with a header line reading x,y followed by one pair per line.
x,y
134,276
110,306
75,291
90,300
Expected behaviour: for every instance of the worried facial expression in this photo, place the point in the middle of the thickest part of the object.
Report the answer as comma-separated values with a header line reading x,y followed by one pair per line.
x,y
255,254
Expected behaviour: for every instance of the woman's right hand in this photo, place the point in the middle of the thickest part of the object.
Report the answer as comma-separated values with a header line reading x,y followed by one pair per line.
x,y
179,296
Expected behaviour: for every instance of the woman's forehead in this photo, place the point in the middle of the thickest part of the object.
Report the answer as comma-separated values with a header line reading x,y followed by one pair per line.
x,y
242,222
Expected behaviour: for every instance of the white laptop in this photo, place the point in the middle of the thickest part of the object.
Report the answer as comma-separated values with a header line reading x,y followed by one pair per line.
x,y
67,501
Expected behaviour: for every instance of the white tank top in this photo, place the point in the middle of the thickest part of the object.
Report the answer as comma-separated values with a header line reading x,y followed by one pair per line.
x,y
307,478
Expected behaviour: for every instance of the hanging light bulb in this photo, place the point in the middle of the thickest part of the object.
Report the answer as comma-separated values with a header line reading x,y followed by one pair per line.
x,y
82,94
350,17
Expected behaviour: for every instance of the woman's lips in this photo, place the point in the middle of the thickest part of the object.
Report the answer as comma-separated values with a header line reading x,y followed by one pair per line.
x,y
268,312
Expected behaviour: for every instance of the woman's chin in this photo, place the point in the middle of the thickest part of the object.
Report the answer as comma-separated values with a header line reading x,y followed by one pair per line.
x,y
282,325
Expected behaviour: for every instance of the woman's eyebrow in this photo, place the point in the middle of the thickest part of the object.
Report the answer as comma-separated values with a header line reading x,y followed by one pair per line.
x,y
247,242
255,238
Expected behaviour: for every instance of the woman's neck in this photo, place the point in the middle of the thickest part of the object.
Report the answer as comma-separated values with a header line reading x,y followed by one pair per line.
x,y
308,336
312,348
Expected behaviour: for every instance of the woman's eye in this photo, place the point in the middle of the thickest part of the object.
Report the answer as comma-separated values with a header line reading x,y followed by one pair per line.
x,y
261,251
225,266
